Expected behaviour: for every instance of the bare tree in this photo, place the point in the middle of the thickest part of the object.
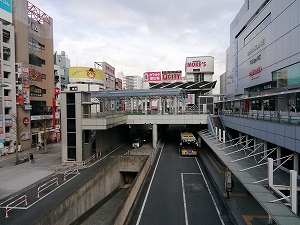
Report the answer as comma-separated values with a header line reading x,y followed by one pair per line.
x,y
17,128
45,125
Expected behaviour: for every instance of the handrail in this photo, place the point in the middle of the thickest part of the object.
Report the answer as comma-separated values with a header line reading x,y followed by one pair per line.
x,y
7,208
67,173
85,162
53,181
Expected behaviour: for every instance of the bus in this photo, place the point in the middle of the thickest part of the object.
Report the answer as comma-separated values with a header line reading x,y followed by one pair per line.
x,y
188,144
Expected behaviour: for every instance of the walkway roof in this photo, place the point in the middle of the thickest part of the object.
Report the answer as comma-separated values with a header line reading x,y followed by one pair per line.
x,y
189,87
139,93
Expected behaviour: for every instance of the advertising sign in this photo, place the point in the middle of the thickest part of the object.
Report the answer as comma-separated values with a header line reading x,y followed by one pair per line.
x,y
108,69
199,64
168,76
152,77
6,10
86,74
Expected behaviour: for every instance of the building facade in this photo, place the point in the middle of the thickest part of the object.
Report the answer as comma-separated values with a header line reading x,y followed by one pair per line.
x,y
263,79
36,103
7,80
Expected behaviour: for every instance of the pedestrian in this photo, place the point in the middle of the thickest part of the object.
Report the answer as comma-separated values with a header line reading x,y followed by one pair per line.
x,y
31,158
38,147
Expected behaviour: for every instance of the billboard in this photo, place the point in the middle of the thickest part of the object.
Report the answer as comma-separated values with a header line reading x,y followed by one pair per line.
x,y
199,64
6,10
169,76
152,77
85,74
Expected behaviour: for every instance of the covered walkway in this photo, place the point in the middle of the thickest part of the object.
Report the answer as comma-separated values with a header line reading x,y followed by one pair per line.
x,y
251,169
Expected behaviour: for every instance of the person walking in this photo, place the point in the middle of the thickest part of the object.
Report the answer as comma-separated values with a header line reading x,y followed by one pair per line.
x,y
31,158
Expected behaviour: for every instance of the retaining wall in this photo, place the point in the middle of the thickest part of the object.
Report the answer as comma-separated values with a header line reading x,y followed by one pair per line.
x,y
97,188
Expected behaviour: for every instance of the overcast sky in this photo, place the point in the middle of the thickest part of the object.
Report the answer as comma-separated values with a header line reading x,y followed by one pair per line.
x,y
136,36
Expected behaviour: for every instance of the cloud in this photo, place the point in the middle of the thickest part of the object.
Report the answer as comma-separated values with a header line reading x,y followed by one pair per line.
x,y
137,36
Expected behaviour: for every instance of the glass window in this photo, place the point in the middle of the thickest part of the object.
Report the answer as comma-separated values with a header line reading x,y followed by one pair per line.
x,y
71,111
71,125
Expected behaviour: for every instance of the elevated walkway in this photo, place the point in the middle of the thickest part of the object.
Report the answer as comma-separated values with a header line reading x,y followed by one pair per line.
x,y
253,174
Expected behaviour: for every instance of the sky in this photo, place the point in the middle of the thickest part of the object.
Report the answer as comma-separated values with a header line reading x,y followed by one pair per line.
x,y
137,36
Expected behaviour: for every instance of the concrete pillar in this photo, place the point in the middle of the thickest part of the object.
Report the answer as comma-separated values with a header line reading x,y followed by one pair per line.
x,y
175,105
160,105
247,140
224,136
296,161
278,155
154,135
146,106
131,104
183,105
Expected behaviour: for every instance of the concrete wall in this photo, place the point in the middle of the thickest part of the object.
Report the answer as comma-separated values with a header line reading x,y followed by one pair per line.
x,y
133,191
93,191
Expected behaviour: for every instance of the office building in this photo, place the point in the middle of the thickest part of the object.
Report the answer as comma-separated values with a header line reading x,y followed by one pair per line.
x,y
262,100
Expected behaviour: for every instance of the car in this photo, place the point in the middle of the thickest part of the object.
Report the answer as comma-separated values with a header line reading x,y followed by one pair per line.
x,y
137,142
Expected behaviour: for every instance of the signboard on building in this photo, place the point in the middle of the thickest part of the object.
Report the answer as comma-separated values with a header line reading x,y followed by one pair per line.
x,y
199,64
86,75
169,76
6,10
152,77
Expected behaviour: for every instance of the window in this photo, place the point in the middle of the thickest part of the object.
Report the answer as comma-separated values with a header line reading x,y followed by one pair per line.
x,y
287,76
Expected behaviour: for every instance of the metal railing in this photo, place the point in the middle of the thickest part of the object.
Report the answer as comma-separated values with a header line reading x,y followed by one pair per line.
x,y
272,116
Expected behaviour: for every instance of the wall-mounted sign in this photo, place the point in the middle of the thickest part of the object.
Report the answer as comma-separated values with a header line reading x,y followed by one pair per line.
x,y
255,73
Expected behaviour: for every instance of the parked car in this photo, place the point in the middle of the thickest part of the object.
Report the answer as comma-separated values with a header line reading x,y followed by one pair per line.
x,y
137,142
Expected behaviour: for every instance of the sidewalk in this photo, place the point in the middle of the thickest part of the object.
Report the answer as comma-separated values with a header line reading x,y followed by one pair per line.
x,y
15,178
243,208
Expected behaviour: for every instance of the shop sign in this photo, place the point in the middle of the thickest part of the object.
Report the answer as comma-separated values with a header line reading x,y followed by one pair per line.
x,y
255,73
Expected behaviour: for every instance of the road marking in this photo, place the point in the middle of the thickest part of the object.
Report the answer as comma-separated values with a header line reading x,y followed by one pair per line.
x,y
213,162
183,194
248,218
212,197
146,197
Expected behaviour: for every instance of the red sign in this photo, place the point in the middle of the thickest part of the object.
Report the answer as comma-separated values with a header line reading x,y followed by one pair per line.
x,y
196,64
20,99
56,91
255,71
168,76
152,77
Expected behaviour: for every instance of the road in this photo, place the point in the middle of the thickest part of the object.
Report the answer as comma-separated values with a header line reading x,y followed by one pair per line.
x,y
178,192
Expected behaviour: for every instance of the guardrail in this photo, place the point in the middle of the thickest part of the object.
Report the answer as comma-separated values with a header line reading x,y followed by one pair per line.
x,y
272,116
48,184
87,161
69,161
7,208
67,173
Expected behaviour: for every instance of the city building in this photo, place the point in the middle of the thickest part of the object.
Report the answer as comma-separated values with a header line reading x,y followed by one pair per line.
x,y
36,103
131,82
262,99
62,65
7,80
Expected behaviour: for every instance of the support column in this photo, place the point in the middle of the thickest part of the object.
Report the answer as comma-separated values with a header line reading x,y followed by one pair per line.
x,y
154,135
131,105
146,106
278,155
175,105
296,161
159,105
183,105
293,191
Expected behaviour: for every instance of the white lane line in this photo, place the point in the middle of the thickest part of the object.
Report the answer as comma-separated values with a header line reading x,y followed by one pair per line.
x,y
44,196
144,203
183,194
212,197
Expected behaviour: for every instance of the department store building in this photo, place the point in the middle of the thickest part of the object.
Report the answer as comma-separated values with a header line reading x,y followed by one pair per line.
x,y
262,100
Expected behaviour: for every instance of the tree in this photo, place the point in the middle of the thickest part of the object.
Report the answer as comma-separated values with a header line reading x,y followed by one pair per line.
x,y
17,128
45,126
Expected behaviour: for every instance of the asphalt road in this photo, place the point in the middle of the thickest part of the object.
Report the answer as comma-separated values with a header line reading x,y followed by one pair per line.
x,y
37,207
178,192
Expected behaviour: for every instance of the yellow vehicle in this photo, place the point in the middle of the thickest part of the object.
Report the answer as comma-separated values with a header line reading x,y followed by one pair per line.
x,y
188,144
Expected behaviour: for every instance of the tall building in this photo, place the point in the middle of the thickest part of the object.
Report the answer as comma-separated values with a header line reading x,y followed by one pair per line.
x,y
62,64
36,103
263,78
7,80
132,82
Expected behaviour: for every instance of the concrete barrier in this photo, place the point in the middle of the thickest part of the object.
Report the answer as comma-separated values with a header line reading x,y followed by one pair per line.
x,y
97,188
